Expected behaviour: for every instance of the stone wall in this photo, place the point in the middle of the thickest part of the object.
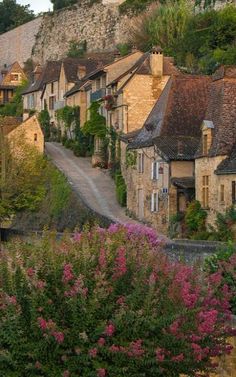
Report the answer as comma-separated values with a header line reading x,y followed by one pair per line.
x,y
100,25
17,44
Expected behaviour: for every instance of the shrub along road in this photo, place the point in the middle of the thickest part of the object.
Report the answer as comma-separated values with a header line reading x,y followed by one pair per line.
x,y
94,186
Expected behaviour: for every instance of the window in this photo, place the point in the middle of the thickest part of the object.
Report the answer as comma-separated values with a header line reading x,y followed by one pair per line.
x,y
205,144
35,137
222,193
233,192
205,191
155,170
140,163
15,77
51,103
154,202
52,87
98,84
45,106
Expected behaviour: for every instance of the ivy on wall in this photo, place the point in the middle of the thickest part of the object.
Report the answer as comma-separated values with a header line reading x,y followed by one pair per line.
x,y
96,125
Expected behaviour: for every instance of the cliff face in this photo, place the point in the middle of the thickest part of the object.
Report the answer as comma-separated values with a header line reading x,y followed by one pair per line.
x,y
100,25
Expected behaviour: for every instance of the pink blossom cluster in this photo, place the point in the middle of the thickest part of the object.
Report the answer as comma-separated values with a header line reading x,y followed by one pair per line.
x,y
49,327
77,288
67,273
120,267
101,372
135,349
109,330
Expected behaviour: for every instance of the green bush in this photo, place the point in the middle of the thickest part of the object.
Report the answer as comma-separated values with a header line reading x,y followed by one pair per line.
x,y
195,218
107,303
121,189
224,225
223,263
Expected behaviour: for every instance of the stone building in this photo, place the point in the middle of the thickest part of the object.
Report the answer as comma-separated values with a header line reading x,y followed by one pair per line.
x,y
12,128
158,162
10,78
216,157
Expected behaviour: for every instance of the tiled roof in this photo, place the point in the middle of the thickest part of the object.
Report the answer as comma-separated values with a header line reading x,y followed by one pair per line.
x,y
222,112
51,73
180,148
9,124
184,182
178,113
71,66
228,166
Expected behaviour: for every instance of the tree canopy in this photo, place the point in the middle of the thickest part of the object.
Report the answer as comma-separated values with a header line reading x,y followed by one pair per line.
x,y
59,4
13,15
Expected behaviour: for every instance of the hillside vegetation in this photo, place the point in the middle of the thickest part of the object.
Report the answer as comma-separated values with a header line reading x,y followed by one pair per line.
x,y
199,42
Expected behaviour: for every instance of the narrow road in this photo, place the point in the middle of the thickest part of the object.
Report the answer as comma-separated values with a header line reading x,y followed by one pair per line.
x,y
94,186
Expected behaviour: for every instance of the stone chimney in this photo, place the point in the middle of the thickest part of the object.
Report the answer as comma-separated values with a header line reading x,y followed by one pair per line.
x,y
81,71
37,72
156,61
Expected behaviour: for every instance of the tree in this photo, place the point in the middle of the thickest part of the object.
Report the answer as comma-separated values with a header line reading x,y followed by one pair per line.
x,y
44,120
22,184
13,15
15,107
59,4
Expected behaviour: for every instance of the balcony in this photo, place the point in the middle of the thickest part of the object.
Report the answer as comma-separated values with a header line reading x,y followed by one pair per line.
x,y
99,94
59,105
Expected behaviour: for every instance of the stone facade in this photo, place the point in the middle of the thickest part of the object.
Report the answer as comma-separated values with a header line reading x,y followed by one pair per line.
x,y
31,131
100,25
206,166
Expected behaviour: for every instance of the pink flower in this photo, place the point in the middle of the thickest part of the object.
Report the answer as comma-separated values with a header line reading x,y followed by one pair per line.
x,y
120,263
178,358
135,349
67,273
59,336
109,330
120,300
174,327
66,373
12,300
42,323
160,355
102,259
30,272
208,320
101,372
114,348
101,342
77,237
93,352
40,284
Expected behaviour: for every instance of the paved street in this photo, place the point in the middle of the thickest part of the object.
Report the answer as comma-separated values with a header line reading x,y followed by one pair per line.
x,y
95,186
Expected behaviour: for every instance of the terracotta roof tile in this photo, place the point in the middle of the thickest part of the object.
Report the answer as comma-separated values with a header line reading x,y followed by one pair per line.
x,y
9,124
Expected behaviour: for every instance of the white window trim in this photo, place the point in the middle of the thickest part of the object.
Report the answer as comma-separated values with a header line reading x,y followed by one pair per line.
x,y
154,202
140,163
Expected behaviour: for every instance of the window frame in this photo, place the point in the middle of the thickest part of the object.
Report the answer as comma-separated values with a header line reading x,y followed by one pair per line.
x,y
140,162
154,202
205,191
155,171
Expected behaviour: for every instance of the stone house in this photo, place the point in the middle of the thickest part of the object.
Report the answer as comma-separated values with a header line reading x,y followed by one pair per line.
x,y
215,166
52,82
10,78
157,162
13,128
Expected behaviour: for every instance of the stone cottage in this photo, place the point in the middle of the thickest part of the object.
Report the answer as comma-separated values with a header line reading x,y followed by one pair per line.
x,y
215,167
10,78
158,162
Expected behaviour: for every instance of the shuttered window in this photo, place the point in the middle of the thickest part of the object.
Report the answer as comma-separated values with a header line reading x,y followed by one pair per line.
x,y
140,162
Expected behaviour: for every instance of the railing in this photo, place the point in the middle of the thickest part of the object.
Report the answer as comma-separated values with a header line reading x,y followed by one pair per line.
x,y
59,105
99,94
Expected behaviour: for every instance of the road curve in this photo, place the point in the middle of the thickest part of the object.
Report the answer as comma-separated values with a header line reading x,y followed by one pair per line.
x,y
94,185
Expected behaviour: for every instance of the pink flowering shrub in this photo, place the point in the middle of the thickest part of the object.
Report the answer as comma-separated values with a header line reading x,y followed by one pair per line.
x,y
108,303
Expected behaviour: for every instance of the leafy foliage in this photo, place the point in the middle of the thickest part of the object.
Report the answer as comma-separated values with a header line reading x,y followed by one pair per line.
x,y
96,125
121,189
224,225
195,217
23,185
60,4
76,49
15,107
223,263
44,120
107,303
199,42
13,15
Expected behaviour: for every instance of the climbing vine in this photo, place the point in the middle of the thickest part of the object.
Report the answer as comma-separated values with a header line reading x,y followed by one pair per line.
x,y
96,125
131,159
